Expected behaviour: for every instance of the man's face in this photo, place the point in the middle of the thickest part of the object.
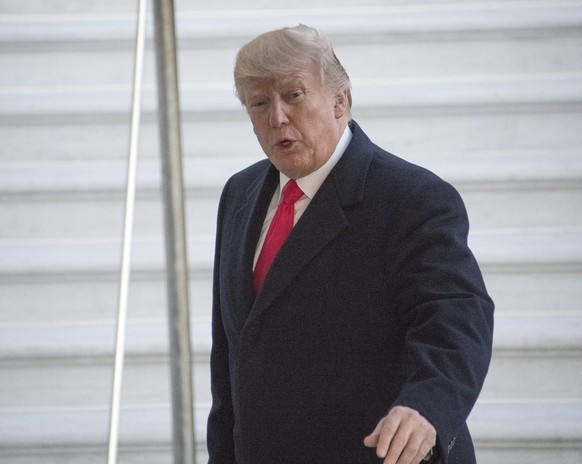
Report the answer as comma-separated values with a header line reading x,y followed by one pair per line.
x,y
296,120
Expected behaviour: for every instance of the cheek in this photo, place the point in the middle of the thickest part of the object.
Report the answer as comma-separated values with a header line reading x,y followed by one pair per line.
x,y
258,124
262,136
257,129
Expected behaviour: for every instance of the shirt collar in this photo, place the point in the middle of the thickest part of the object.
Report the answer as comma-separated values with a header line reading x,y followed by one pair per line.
x,y
310,184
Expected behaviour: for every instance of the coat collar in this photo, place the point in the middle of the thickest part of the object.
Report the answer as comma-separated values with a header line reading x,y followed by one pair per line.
x,y
323,220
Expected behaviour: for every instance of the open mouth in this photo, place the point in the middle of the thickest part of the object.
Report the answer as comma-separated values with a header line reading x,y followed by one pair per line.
x,y
285,143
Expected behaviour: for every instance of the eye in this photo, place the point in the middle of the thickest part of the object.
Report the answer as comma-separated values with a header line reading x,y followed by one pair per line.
x,y
257,104
294,96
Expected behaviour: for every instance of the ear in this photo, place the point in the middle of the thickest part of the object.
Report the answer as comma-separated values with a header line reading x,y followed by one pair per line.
x,y
341,104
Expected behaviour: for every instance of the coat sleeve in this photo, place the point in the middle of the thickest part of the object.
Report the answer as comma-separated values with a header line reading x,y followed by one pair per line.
x,y
220,425
443,302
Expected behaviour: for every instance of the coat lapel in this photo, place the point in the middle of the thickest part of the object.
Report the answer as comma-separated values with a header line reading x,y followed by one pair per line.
x,y
323,220
248,219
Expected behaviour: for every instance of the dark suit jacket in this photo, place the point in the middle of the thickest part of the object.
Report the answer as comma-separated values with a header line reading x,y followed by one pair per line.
x,y
375,300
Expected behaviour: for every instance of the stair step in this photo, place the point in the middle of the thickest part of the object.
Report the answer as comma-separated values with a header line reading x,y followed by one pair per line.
x,y
528,290
70,365
96,256
204,175
80,278
505,250
512,433
58,217
532,333
98,67
528,249
34,215
58,200
88,297
58,434
373,95
88,124
99,50
145,339
536,432
535,357
417,137
512,18
67,382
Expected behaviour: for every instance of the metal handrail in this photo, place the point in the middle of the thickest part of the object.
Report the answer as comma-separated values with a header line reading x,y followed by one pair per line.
x,y
127,232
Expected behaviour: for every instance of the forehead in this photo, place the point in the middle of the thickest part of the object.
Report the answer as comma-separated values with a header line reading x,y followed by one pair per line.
x,y
298,79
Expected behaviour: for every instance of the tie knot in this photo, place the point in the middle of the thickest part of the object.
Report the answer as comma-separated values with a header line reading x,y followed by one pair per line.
x,y
291,193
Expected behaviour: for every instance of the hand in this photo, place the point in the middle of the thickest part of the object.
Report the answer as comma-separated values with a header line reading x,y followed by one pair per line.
x,y
402,437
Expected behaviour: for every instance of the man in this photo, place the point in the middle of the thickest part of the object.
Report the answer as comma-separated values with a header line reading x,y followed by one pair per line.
x,y
369,336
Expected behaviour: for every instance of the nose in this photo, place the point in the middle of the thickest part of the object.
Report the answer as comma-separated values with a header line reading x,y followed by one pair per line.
x,y
278,113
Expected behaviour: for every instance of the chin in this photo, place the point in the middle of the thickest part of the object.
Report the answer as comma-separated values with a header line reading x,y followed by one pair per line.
x,y
292,170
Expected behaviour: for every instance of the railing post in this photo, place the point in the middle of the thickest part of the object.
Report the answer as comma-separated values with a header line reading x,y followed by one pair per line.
x,y
175,232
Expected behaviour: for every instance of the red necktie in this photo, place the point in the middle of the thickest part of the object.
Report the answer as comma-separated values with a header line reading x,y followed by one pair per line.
x,y
279,229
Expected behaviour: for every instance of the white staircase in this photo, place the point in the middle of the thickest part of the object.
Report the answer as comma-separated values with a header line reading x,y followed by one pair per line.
x,y
487,94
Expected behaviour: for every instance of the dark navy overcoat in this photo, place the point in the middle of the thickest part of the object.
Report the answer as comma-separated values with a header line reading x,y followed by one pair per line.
x,y
374,300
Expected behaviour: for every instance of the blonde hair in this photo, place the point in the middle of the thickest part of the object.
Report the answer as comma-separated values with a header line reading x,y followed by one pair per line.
x,y
284,51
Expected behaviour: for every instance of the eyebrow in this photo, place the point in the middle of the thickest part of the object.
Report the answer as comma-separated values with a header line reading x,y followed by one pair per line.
x,y
292,81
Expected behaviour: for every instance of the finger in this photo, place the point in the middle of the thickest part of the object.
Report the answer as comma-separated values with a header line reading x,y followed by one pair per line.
x,y
372,440
401,451
415,449
409,456
425,449
388,431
